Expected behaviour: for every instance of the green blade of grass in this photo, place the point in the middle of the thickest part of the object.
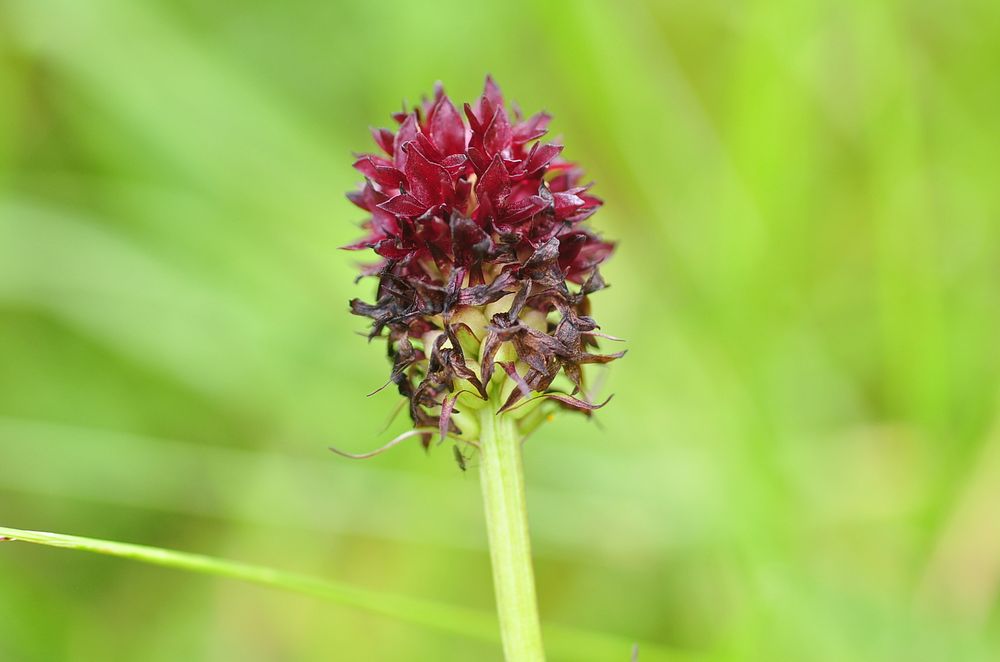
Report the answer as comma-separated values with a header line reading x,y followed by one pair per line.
x,y
563,642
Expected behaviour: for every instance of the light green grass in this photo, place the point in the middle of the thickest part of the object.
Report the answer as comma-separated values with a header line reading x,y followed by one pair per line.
x,y
797,461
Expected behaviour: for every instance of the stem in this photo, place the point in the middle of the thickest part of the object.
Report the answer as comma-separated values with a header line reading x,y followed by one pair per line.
x,y
502,478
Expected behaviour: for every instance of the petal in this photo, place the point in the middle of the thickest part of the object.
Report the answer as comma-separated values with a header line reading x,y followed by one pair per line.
x,y
447,129
358,245
384,223
539,157
523,210
469,242
426,181
544,254
384,138
566,204
532,129
481,295
427,148
367,198
479,161
454,164
407,132
492,92
385,176
569,247
444,420
475,124
598,358
496,137
488,351
404,204
494,186
391,250
575,403
589,256
511,371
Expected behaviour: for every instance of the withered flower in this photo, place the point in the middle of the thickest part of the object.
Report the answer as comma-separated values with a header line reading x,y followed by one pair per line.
x,y
486,264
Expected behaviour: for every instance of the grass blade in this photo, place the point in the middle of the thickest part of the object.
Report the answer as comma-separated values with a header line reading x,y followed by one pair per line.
x,y
568,643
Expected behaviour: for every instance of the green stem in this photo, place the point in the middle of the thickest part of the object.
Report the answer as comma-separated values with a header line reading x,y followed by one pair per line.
x,y
502,477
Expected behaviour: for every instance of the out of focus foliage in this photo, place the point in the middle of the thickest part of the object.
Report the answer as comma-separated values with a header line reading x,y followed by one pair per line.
x,y
802,460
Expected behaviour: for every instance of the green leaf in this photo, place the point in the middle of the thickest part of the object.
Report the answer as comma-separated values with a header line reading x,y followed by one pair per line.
x,y
568,643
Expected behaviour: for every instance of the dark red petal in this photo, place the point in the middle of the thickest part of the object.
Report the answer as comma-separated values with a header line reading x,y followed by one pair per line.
x,y
494,186
566,204
496,137
390,249
532,129
454,164
582,214
566,181
479,160
407,132
385,176
404,205
475,124
484,111
427,148
454,161
492,92
569,247
358,198
426,181
540,156
523,210
463,191
469,242
358,245
367,198
447,129
383,223
589,256
384,138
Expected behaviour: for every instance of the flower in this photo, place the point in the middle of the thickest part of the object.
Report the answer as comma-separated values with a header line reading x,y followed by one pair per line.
x,y
486,261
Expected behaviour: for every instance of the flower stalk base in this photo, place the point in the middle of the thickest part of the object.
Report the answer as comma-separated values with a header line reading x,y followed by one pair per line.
x,y
502,478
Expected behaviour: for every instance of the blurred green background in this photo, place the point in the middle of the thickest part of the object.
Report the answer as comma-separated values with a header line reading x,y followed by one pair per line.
x,y
802,460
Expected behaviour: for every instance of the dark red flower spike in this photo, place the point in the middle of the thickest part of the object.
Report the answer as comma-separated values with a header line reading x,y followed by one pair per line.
x,y
480,228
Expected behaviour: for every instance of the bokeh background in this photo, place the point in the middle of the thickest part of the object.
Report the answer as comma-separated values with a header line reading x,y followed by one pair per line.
x,y
802,460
